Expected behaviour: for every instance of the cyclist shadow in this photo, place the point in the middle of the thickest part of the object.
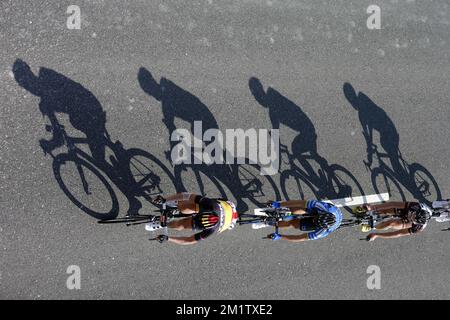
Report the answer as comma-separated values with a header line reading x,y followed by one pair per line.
x,y
81,174
308,172
179,104
398,173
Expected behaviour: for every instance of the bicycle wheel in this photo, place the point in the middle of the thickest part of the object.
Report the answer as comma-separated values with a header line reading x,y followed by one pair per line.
x,y
295,187
425,187
344,184
254,186
150,174
383,181
201,182
85,186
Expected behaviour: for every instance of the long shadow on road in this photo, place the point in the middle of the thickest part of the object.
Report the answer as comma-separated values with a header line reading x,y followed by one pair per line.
x,y
84,176
308,173
239,181
396,174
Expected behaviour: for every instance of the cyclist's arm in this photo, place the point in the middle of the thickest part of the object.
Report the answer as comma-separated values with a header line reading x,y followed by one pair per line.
x,y
393,234
368,134
183,240
292,238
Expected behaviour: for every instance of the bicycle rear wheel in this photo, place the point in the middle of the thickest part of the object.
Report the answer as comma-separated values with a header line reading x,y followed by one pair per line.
x,y
83,184
295,187
254,186
383,181
344,183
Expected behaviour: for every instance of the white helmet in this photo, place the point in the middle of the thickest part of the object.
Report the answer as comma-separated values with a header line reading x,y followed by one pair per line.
x,y
424,214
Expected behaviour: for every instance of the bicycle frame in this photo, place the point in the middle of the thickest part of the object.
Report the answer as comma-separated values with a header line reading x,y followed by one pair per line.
x,y
316,179
272,217
112,171
370,218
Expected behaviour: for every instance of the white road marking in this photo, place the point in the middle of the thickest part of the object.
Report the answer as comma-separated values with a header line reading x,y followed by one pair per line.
x,y
356,201
350,201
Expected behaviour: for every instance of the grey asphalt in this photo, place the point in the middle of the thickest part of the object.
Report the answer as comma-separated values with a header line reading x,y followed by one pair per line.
x,y
306,51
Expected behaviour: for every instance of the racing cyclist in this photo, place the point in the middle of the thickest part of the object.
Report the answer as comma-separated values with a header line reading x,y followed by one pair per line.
x,y
408,218
204,215
320,219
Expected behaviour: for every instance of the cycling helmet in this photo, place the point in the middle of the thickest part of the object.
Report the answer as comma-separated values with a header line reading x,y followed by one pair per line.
x,y
326,220
423,214
235,215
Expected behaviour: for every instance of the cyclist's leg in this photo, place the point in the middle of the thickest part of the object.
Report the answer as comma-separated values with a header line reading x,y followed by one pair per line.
x,y
185,202
396,224
296,206
181,224
294,223
387,208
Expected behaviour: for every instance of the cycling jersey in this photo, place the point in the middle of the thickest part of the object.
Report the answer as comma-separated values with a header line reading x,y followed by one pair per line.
x,y
315,207
214,215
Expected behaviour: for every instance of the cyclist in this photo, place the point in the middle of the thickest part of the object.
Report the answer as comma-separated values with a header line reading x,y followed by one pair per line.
x,y
204,215
320,219
408,218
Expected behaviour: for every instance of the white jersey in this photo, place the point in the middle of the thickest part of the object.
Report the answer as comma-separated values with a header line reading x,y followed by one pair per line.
x,y
444,208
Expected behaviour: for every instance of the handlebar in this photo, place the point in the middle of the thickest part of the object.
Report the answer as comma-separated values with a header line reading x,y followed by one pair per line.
x,y
164,215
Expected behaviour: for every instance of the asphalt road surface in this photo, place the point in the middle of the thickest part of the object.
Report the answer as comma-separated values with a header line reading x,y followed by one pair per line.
x,y
139,69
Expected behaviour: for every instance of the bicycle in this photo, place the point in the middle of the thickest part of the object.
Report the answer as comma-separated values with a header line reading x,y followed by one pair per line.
x,y
272,217
268,216
371,218
415,178
82,177
166,214
365,217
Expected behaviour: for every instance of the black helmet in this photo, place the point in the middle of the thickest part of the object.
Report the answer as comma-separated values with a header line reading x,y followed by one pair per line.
x,y
326,220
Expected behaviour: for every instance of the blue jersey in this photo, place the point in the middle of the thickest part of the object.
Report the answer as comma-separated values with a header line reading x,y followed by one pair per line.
x,y
318,207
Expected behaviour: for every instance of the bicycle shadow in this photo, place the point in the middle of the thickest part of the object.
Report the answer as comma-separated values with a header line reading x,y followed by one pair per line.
x,y
326,182
177,103
413,177
82,176
242,181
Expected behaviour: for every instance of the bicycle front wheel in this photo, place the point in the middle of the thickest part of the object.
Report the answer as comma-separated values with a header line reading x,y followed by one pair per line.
x,y
425,188
150,174
85,186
